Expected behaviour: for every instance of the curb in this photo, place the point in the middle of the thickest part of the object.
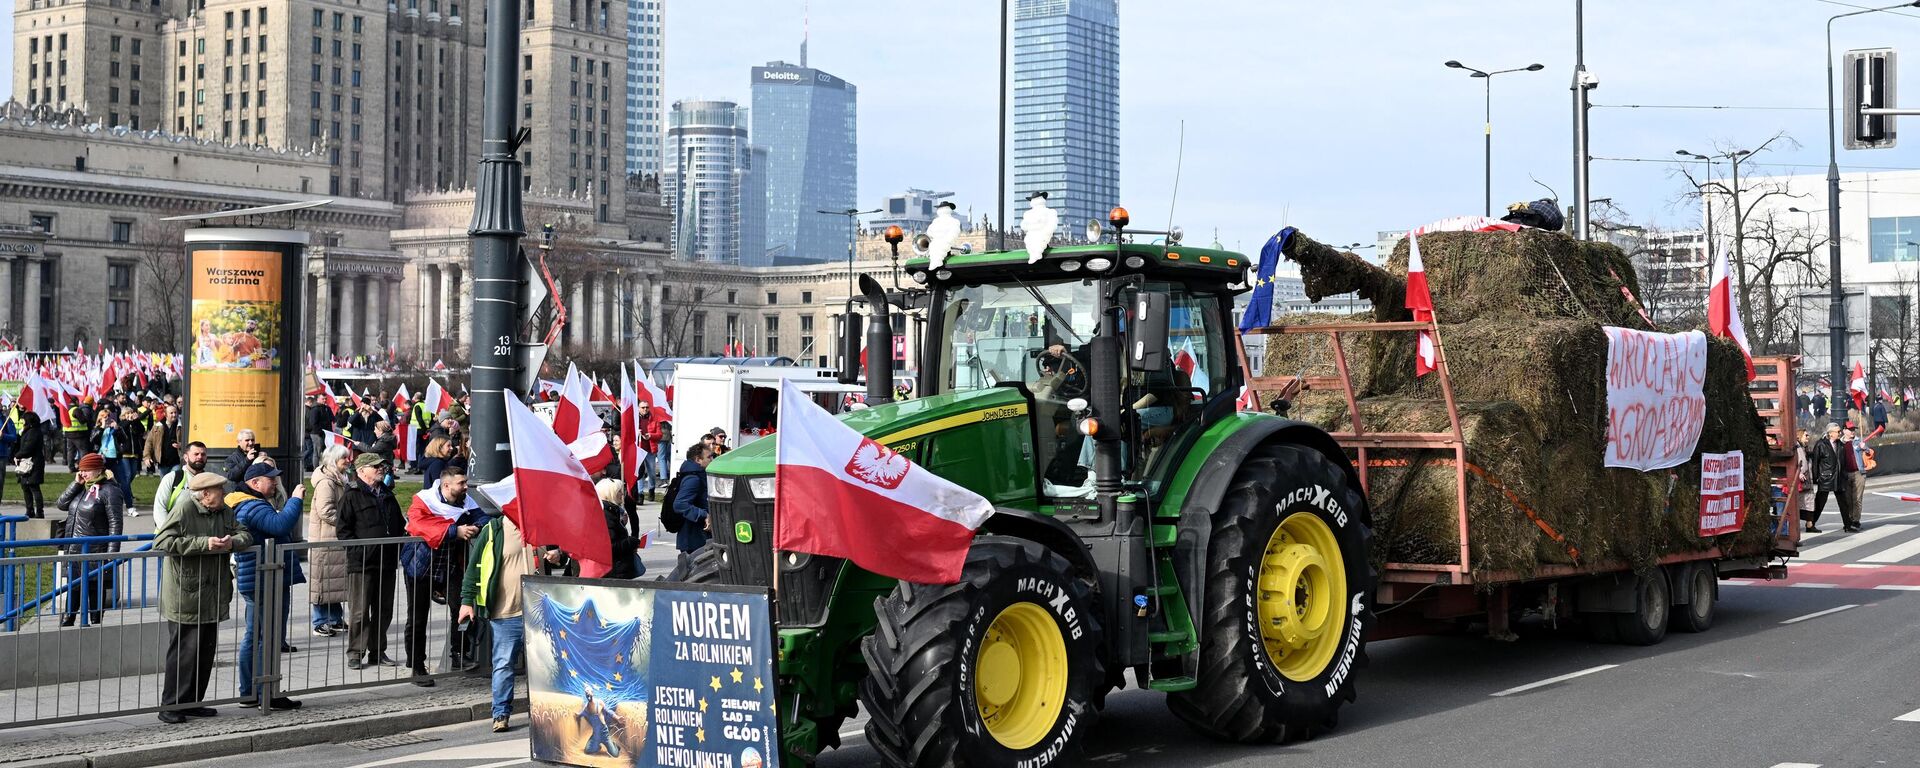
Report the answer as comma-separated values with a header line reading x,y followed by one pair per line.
x,y
290,737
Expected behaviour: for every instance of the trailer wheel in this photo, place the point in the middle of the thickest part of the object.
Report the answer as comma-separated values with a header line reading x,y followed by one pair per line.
x,y
1287,601
1696,615
1003,668
1652,603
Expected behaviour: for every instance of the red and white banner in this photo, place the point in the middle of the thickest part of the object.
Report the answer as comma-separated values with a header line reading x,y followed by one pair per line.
x,y
1723,493
1655,402
1466,224
840,494
1426,357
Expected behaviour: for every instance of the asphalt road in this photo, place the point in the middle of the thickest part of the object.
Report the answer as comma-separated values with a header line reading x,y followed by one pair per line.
x,y
1816,671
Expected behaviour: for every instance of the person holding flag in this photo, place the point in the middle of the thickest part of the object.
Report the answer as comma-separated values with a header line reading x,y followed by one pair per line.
x,y
446,518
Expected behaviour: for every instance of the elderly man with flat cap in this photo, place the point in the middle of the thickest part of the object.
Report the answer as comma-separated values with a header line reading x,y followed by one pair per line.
x,y
196,586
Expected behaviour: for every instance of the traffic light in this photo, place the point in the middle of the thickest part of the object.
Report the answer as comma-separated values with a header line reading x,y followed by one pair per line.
x,y
1869,85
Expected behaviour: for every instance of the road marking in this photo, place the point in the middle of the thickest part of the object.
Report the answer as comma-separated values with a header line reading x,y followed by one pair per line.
x,y
1899,587
1910,717
1864,565
1796,765
1895,554
1832,548
1552,680
1818,614
1814,585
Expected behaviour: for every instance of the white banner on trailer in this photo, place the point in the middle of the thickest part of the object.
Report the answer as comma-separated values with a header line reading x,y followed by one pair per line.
x,y
1655,403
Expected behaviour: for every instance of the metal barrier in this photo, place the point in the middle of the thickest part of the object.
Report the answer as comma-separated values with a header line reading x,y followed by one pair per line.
x,y
10,526
114,660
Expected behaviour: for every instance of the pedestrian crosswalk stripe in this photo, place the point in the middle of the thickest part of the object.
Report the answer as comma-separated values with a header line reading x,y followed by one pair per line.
x,y
1796,765
1899,587
1896,554
1857,540
1862,565
1818,614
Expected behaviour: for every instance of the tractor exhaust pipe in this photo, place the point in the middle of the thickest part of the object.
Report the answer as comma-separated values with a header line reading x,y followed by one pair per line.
x,y
879,342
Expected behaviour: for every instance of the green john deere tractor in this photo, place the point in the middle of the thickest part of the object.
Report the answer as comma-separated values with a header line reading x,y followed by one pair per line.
x,y
1143,523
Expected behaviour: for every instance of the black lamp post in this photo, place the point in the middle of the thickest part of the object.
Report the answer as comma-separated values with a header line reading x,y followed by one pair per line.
x,y
1488,77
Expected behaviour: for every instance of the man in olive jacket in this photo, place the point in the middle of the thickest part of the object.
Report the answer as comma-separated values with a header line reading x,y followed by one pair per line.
x,y
196,586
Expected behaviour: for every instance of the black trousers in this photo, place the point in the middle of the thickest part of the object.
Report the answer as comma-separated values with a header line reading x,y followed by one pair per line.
x,y
189,662
36,503
370,610
419,612
1843,489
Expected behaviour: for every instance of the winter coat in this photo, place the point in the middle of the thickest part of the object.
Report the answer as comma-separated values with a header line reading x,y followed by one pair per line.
x,y
196,583
319,419
93,510
624,543
360,427
265,522
235,470
32,445
691,503
370,512
381,446
128,440
328,582
1827,463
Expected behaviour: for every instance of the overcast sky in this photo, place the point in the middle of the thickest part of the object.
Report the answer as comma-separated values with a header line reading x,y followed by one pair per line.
x,y
1337,118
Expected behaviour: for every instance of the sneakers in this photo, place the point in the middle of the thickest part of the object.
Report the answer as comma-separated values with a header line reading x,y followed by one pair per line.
x,y
324,630
499,725
131,513
1813,529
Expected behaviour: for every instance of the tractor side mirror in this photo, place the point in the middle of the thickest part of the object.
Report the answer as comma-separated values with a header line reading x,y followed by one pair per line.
x,y
850,342
1147,344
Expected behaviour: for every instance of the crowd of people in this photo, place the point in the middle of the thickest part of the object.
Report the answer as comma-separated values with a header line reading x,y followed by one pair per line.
x,y
456,566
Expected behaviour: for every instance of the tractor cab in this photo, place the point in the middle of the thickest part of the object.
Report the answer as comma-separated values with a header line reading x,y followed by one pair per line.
x,y
1117,344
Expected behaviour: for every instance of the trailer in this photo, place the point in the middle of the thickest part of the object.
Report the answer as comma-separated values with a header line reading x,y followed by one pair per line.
x,y
740,399
1613,601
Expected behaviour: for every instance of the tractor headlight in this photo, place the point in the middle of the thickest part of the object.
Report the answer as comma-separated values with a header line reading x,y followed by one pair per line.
x,y
762,487
1069,266
920,276
1135,262
945,274
1099,264
719,487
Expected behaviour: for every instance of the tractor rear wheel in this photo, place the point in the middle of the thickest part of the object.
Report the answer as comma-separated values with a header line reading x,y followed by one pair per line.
x,y
1288,597
1000,669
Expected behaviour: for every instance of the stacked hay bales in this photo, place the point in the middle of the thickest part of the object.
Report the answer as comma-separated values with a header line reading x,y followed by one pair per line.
x,y
1521,317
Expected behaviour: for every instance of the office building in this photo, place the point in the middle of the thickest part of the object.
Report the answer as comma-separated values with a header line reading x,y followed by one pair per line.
x,y
646,83
912,211
1066,106
708,161
806,119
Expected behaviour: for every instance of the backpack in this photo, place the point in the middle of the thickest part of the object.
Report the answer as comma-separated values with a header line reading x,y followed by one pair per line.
x,y
670,518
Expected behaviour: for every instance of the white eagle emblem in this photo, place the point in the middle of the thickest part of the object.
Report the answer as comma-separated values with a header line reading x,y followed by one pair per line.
x,y
877,465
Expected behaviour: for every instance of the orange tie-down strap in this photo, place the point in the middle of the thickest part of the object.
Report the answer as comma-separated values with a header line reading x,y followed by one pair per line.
x,y
1512,497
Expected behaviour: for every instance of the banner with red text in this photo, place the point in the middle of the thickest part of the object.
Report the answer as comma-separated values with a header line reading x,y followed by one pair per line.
x,y
1723,492
1655,402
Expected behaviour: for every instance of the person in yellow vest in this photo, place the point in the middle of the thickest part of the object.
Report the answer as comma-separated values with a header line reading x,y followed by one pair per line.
x,y
77,430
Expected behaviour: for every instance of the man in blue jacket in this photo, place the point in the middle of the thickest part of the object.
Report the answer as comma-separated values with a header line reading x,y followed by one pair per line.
x,y
691,502
253,507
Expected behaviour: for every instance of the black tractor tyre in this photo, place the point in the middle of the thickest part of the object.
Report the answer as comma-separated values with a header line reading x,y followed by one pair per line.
x,y
1698,582
921,691
703,566
1241,695
1646,624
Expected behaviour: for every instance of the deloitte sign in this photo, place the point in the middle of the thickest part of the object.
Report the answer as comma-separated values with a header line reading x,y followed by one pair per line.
x,y
795,76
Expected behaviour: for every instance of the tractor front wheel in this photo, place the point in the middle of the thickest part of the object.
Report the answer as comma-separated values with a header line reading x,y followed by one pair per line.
x,y
1002,668
1288,596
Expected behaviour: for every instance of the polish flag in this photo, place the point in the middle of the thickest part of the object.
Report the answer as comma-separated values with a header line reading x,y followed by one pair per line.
x,y
840,494
354,397
335,438
408,448
600,393
661,401
579,426
37,397
333,403
1187,363
1420,301
630,452
1858,385
437,399
646,539
1723,311
568,515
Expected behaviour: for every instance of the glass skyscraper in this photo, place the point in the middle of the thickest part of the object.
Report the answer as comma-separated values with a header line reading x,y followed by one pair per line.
x,y
1066,108
646,76
709,182
806,120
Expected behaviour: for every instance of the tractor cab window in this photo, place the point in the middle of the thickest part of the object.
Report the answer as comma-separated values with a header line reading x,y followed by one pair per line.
x,y
1170,400
1034,333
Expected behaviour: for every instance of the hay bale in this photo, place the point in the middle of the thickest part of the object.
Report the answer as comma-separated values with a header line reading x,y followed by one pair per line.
x,y
1521,325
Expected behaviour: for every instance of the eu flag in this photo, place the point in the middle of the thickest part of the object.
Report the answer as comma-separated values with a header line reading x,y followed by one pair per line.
x,y
1260,305
594,655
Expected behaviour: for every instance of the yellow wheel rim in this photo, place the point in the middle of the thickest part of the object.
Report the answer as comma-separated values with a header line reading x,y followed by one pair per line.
x,y
1302,583
1020,680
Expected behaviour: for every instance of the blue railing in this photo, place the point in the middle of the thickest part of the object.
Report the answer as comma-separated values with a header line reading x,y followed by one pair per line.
x,y
10,525
18,598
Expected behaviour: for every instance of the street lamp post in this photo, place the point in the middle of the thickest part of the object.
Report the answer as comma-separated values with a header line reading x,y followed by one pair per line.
x,y
1733,158
1836,300
853,215
1488,77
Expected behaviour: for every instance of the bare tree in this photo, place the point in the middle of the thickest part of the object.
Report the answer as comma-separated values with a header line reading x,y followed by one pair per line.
x,y
162,258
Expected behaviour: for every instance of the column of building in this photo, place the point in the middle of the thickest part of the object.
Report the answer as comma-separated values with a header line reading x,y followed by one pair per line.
x,y
30,299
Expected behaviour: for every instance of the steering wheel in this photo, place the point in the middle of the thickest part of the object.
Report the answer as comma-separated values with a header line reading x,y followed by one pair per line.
x,y
1058,384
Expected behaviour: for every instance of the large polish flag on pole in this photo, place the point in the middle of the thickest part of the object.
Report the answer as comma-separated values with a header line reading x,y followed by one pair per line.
x,y
651,393
1723,310
840,494
630,452
575,421
568,513
1420,301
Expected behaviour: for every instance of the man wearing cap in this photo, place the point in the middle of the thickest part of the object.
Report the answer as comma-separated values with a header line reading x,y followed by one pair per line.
x,y
195,589
369,511
253,508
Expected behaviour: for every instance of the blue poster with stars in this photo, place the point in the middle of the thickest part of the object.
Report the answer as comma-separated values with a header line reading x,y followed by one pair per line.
x,y
628,673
